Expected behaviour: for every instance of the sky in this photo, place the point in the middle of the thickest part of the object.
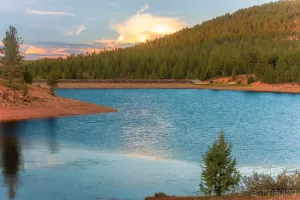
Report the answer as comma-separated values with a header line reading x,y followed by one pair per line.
x,y
52,28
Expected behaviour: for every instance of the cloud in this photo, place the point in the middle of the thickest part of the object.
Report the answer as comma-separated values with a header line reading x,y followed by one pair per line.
x,y
142,27
63,45
136,29
39,12
35,50
59,49
80,29
72,31
32,51
144,8
108,43
76,30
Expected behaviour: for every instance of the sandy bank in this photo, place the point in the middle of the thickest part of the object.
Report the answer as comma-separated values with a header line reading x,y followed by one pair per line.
x,y
255,87
39,103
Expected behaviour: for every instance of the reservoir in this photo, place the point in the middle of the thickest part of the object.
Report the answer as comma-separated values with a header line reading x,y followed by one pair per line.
x,y
154,143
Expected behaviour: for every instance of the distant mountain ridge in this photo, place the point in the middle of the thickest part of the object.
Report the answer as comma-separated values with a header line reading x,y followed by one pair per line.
x,y
260,40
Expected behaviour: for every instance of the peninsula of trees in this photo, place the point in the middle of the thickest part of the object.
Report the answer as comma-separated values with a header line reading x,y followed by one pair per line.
x,y
260,40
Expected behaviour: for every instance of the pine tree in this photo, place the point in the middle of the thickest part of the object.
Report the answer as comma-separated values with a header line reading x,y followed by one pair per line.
x,y
12,58
219,175
52,81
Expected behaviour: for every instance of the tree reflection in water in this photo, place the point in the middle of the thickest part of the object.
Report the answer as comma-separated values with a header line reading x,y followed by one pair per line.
x,y
53,144
11,157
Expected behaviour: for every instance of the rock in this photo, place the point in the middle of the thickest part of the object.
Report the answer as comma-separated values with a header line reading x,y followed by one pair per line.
x,y
16,98
10,99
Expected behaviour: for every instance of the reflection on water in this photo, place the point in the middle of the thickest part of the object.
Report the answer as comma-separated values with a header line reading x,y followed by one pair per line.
x,y
11,157
53,145
12,162
39,160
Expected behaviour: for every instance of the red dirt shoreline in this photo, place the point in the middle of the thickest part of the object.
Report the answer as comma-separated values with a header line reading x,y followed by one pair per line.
x,y
255,87
57,106
74,108
44,105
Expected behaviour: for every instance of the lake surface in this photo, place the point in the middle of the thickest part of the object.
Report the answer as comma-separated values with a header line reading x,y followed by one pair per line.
x,y
153,144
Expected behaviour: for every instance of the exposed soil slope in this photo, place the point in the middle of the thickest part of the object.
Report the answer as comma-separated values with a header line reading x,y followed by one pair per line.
x,y
39,103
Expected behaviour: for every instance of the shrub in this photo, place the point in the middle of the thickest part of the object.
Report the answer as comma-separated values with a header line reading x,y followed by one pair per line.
x,y
14,86
161,194
25,90
265,182
250,80
211,81
27,77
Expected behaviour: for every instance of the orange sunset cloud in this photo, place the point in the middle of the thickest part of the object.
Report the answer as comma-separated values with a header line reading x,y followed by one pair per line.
x,y
35,50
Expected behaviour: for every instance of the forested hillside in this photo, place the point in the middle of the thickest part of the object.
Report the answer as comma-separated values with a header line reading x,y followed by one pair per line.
x,y
261,40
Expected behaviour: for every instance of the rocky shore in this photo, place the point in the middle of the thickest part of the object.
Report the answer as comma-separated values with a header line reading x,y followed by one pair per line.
x,y
39,103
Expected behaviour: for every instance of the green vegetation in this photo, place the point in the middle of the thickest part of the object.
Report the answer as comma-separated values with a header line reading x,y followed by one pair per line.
x,y
11,61
161,194
250,80
52,81
219,175
273,185
25,90
12,58
27,77
261,40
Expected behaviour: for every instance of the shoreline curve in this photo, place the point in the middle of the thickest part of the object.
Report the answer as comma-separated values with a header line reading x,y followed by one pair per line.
x,y
43,105
256,87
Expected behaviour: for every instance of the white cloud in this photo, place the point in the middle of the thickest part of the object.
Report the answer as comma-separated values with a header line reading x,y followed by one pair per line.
x,y
76,30
52,13
143,9
143,26
80,29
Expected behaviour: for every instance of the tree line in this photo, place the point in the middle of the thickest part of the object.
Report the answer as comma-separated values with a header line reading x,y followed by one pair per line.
x,y
260,40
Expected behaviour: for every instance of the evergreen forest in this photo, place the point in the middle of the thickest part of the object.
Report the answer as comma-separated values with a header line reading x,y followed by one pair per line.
x,y
260,40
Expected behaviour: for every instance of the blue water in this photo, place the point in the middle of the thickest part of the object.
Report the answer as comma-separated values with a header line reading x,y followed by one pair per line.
x,y
153,144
